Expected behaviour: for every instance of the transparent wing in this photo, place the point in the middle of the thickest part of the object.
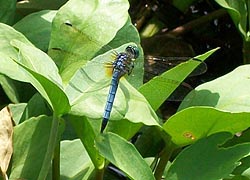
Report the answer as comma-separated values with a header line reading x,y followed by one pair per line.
x,y
71,55
153,67
156,65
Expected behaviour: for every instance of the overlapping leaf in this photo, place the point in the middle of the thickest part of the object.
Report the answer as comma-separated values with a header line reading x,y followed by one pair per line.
x,y
194,123
21,61
89,88
92,25
208,159
164,88
111,146
228,93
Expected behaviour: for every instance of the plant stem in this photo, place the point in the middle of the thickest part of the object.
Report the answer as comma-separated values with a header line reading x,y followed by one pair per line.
x,y
50,148
165,155
99,174
56,162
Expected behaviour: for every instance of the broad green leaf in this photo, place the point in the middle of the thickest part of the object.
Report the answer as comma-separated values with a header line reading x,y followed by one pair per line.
x,y
207,159
75,162
42,73
17,111
87,135
23,62
37,61
35,107
23,111
158,89
7,34
52,93
94,24
228,93
7,11
37,28
124,128
31,149
243,168
89,88
194,123
124,155
123,38
239,12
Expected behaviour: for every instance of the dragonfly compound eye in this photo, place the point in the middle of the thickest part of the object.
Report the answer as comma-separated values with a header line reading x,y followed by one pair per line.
x,y
133,51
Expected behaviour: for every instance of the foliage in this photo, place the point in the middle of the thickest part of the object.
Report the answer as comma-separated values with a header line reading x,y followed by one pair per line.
x,y
61,53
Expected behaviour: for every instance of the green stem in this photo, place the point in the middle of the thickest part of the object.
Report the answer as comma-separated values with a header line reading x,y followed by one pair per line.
x,y
56,163
50,148
99,174
165,155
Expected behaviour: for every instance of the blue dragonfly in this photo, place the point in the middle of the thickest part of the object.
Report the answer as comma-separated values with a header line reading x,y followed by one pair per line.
x,y
123,64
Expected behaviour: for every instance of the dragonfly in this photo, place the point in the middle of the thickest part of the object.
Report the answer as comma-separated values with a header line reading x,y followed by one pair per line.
x,y
123,64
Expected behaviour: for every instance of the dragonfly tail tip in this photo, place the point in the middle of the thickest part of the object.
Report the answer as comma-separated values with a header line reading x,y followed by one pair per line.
x,y
104,124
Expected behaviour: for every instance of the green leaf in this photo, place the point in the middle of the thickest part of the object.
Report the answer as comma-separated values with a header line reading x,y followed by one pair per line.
x,y
31,149
228,93
123,38
23,111
207,160
194,123
164,85
124,155
239,12
23,62
17,111
76,165
90,21
240,138
42,73
7,34
37,28
87,135
35,107
37,61
89,87
7,11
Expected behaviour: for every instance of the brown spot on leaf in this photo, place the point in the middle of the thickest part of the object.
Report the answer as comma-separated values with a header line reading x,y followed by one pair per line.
x,y
189,135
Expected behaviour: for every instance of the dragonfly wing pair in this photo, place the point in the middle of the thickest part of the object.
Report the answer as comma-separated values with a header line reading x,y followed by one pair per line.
x,y
123,64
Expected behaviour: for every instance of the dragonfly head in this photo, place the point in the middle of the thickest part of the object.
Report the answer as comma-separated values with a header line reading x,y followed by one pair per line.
x,y
132,51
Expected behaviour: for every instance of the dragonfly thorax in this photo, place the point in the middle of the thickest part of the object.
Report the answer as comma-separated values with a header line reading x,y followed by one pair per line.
x,y
123,64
